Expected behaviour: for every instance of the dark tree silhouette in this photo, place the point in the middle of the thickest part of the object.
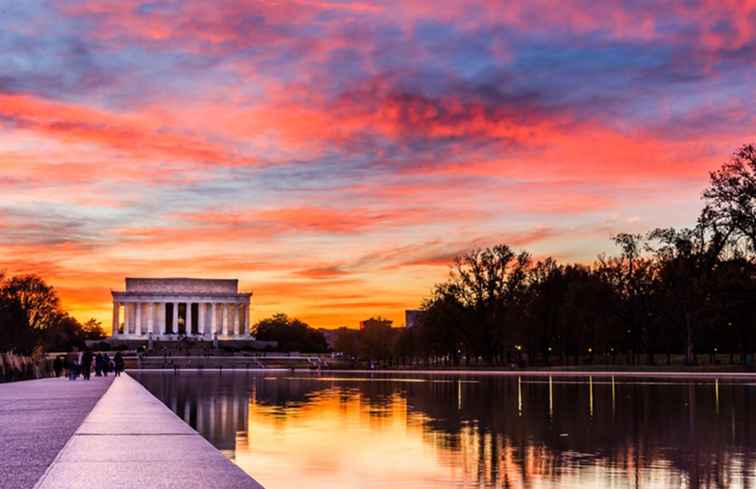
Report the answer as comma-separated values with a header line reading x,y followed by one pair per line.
x,y
489,283
378,340
731,196
630,276
15,335
37,300
93,330
290,334
30,317
347,342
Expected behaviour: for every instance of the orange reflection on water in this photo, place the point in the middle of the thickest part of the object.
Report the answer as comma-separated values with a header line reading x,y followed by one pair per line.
x,y
340,441
417,433
346,441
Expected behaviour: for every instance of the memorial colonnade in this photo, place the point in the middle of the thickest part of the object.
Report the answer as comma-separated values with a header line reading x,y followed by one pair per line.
x,y
176,307
208,319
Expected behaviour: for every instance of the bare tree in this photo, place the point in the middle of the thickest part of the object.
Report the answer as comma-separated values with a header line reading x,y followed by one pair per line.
x,y
731,196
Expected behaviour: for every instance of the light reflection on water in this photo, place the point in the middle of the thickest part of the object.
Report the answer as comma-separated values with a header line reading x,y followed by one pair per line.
x,y
417,431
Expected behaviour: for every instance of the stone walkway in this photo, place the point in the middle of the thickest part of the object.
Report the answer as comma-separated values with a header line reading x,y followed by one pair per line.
x,y
132,440
37,418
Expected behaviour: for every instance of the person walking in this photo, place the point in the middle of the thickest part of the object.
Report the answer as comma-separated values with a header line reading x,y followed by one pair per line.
x,y
98,364
67,367
107,364
86,364
57,366
118,364
73,365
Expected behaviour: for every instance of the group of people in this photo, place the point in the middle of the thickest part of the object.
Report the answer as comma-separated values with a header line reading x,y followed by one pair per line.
x,y
80,363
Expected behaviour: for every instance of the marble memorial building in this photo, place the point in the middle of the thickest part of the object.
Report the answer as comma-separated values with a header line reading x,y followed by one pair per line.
x,y
174,308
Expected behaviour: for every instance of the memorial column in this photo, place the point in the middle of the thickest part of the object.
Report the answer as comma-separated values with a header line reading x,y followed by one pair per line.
x,y
126,317
174,326
188,325
151,318
162,321
235,311
225,318
138,319
213,319
116,311
201,311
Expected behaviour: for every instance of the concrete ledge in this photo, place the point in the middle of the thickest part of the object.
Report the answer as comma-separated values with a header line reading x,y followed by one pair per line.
x,y
130,439
661,374
37,418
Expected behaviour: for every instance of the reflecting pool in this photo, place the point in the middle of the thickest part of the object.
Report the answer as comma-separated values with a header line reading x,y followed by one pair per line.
x,y
421,431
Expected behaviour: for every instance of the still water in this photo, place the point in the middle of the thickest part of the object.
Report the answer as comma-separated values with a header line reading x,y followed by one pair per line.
x,y
343,431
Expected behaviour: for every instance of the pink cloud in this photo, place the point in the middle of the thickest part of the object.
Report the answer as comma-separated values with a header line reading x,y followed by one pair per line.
x,y
128,133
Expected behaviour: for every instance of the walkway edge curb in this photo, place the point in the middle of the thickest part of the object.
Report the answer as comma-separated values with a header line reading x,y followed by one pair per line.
x,y
44,475
132,439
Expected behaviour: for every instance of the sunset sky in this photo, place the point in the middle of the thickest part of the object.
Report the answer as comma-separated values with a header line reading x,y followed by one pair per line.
x,y
334,156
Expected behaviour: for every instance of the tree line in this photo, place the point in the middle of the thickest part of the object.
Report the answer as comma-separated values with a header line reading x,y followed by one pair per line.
x,y
290,334
669,292
32,319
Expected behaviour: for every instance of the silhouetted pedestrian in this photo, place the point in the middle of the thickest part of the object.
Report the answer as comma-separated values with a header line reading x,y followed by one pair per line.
x,y
98,365
86,364
74,365
118,364
58,366
107,364
67,366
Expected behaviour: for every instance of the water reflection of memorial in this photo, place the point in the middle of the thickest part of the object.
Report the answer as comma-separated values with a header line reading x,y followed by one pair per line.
x,y
218,410
498,432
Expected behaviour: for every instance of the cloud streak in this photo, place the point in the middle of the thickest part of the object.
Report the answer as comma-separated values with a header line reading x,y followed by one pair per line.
x,y
335,156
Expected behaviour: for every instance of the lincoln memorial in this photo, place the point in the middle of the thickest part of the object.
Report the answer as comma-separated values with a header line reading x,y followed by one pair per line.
x,y
175,308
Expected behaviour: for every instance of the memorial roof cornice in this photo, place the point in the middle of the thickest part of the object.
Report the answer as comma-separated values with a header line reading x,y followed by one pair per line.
x,y
121,293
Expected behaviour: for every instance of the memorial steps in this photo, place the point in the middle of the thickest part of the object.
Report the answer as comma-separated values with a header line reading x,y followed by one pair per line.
x,y
228,362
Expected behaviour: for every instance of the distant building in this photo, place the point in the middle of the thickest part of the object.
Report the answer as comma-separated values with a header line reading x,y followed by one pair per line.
x,y
375,321
174,308
411,316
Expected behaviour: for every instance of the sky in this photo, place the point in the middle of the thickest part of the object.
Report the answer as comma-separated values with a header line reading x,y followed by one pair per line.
x,y
335,156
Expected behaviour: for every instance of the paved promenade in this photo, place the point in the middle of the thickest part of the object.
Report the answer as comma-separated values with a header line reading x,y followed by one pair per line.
x,y
37,418
132,440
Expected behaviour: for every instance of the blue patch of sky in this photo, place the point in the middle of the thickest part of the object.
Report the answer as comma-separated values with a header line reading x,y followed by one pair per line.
x,y
146,76
61,61
51,223
240,188
162,7
332,170
344,66
57,63
463,54
43,57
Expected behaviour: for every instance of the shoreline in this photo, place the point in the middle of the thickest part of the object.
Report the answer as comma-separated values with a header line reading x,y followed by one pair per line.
x,y
669,374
